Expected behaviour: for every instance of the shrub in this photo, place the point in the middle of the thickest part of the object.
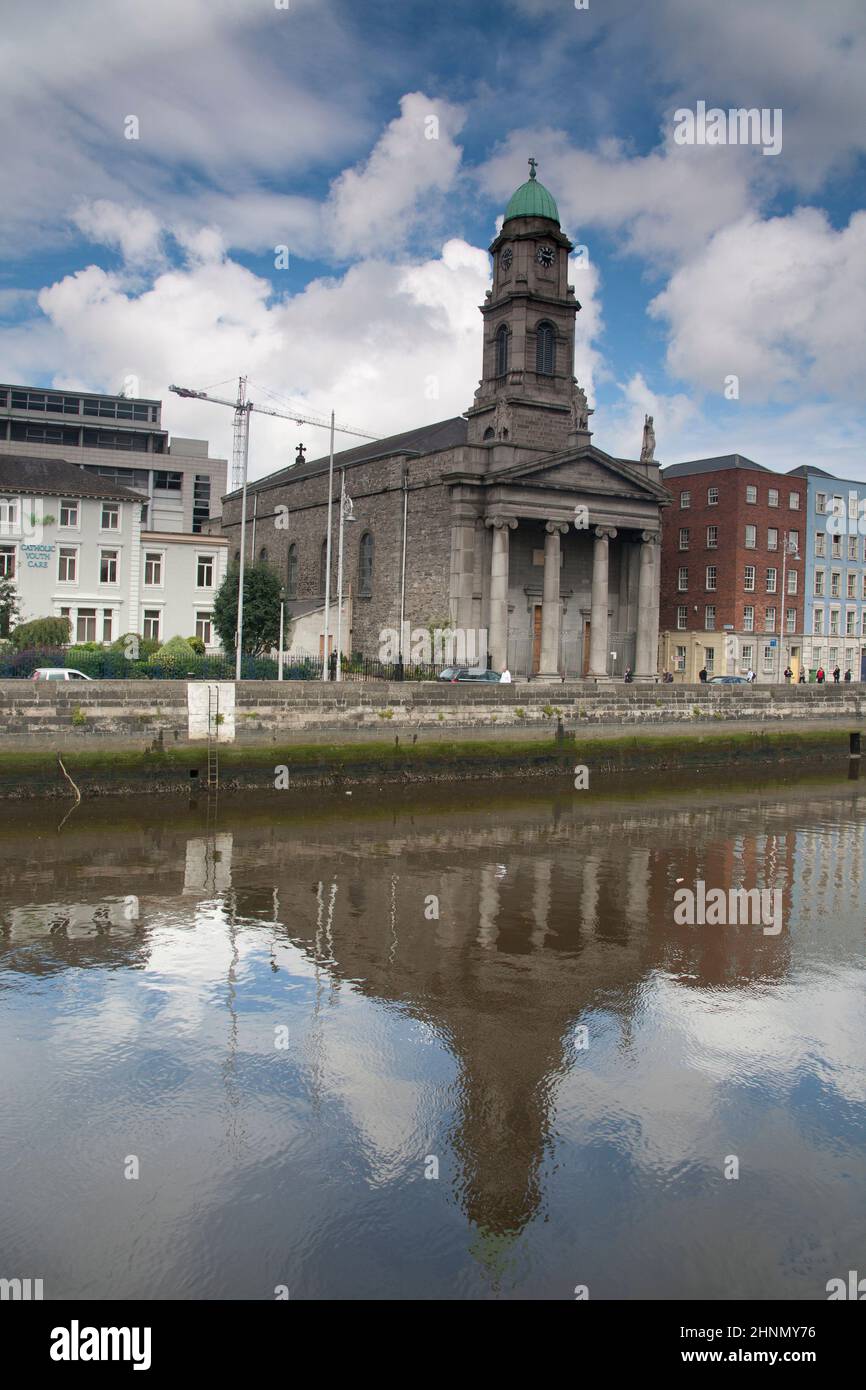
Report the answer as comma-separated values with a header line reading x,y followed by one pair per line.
x,y
197,644
41,632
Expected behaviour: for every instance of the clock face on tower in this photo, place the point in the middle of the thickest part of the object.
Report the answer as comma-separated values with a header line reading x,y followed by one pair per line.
x,y
545,255
506,258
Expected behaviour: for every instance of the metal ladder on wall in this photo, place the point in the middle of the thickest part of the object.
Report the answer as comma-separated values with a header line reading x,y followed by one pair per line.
x,y
213,729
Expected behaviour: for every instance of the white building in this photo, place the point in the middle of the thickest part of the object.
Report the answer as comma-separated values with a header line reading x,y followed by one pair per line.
x,y
75,544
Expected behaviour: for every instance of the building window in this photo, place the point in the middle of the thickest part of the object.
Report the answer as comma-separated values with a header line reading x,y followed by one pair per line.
x,y
711,578
110,520
501,350
769,657
852,548
69,514
204,572
200,501
682,579
684,538
772,538
685,501
85,627
836,547
7,562
682,616
263,555
773,497
153,568
863,589
751,537
746,656
710,617
749,579
749,618
852,585
821,543
167,482
832,656
108,567
107,625
151,624
792,581
204,628
834,622
710,659
771,581
770,620
8,515
794,501
820,503
545,349
712,496
835,584
712,537
791,619
851,622
67,565
751,494
680,659
292,572
365,565
818,622
819,584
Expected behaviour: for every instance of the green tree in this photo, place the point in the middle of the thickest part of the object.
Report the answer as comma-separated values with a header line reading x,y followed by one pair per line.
x,y
41,632
8,604
261,610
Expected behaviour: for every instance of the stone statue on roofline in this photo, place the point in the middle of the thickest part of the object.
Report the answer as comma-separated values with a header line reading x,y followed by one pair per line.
x,y
580,411
648,448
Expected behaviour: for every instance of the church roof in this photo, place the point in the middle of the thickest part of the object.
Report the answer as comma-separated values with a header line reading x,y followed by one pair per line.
x,y
427,439
532,200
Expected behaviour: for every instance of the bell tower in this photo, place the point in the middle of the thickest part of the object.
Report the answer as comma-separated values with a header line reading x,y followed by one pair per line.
x,y
528,395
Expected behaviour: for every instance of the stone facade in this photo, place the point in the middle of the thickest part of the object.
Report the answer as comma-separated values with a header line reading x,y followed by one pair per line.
x,y
516,524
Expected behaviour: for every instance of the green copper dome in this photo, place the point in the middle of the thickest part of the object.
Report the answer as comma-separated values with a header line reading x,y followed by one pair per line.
x,y
532,200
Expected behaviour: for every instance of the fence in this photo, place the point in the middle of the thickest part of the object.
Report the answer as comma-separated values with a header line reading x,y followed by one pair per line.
x,y
106,664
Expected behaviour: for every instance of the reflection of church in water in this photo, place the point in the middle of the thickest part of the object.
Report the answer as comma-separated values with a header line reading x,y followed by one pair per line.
x,y
545,920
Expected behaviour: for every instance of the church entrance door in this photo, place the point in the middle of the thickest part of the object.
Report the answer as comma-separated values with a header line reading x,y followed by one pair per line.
x,y
536,639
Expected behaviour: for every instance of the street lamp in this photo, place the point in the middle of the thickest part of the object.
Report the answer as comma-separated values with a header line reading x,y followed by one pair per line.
x,y
789,547
347,513
282,615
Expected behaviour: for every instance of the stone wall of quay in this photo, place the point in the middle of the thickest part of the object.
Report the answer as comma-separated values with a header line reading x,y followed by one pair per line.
x,y
138,714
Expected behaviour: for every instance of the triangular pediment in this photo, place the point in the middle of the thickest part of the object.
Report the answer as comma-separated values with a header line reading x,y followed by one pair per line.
x,y
582,469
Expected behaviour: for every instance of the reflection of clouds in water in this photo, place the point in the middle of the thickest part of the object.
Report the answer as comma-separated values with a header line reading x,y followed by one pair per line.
x,y
694,1051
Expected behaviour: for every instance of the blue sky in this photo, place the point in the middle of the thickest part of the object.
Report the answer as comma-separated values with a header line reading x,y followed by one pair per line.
x,y
308,127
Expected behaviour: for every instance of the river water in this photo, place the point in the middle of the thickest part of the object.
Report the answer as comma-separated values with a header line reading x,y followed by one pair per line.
x,y
435,1044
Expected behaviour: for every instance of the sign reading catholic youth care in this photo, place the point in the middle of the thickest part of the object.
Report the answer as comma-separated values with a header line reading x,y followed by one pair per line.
x,y
37,556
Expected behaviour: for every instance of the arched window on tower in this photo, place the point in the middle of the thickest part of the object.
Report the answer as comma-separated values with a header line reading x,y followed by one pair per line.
x,y
365,566
501,350
545,349
292,572
263,555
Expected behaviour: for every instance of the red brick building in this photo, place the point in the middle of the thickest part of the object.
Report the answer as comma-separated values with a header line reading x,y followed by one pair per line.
x,y
732,567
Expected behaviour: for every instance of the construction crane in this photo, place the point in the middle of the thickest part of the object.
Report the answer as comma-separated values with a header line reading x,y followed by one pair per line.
x,y
242,407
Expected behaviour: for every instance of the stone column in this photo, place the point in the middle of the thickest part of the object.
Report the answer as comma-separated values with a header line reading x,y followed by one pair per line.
x,y
551,608
646,653
498,620
462,567
599,615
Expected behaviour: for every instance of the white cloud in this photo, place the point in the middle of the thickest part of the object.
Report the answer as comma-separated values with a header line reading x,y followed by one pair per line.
x,y
135,231
780,303
373,208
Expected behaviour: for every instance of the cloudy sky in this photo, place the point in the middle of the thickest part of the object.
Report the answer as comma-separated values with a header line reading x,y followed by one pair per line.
x,y
307,125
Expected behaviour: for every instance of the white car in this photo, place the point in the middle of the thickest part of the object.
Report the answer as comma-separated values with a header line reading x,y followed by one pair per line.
x,y
58,673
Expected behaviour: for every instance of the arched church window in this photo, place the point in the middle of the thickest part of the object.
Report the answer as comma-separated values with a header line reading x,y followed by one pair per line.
x,y
545,349
263,555
365,566
488,433
323,565
501,350
292,572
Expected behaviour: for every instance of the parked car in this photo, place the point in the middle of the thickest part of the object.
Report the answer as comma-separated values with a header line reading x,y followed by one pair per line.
x,y
450,673
58,673
728,680
466,675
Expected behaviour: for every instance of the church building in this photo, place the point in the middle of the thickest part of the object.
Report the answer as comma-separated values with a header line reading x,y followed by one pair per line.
x,y
507,519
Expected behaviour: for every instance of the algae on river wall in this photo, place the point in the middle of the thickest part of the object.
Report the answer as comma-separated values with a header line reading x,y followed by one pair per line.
x,y
180,771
